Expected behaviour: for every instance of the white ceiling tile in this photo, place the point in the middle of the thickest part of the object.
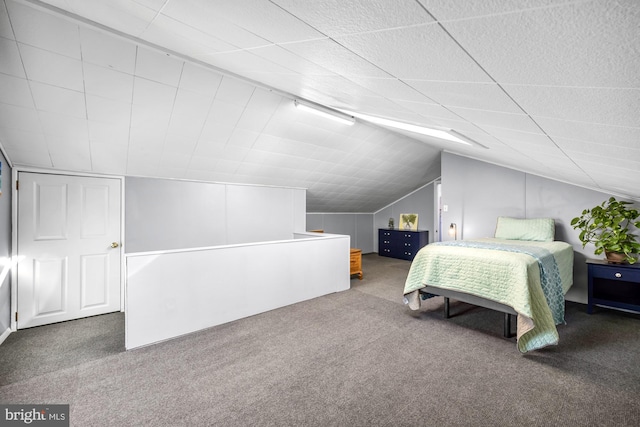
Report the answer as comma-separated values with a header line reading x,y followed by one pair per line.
x,y
242,138
391,88
520,122
198,79
101,109
174,165
15,91
51,68
20,156
177,36
254,119
141,157
234,91
58,100
258,17
18,139
334,57
128,16
612,136
108,83
108,133
11,62
70,127
481,96
192,104
225,112
155,5
179,144
216,132
149,138
205,17
576,147
60,144
336,18
21,118
158,96
186,125
107,158
396,52
608,106
159,67
573,44
245,63
202,163
449,10
290,60
512,136
47,31
429,110
148,118
5,25
107,51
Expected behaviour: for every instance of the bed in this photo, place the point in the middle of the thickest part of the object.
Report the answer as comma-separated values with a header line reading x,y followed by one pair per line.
x,y
520,271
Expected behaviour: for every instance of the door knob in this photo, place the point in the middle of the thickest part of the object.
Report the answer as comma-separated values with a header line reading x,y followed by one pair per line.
x,y
114,245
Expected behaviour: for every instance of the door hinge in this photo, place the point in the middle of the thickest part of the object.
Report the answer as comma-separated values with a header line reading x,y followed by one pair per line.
x,y
16,316
17,185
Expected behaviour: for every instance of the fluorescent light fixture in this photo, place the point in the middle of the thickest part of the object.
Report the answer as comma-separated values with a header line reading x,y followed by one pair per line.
x,y
446,134
325,112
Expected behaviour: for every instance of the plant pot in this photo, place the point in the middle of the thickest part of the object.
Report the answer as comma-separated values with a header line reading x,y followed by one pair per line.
x,y
616,257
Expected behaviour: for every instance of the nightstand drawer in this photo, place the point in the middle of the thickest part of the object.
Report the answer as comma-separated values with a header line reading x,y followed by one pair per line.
x,y
615,273
613,286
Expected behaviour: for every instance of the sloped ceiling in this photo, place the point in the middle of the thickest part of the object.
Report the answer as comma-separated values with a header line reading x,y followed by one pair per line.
x,y
204,90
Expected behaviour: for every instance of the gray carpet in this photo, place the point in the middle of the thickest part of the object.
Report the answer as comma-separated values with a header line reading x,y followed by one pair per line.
x,y
355,358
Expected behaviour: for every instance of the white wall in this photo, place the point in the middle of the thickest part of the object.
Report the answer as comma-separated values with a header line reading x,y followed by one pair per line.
x,y
163,214
477,193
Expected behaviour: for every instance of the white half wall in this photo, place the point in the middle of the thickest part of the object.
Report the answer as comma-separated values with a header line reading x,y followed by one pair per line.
x,y
178,292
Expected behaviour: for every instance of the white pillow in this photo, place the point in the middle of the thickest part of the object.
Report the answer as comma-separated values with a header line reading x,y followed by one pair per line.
x,y
538,229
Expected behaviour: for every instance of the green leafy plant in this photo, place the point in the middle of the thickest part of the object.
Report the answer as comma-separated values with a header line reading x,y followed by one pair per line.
x,y
608,227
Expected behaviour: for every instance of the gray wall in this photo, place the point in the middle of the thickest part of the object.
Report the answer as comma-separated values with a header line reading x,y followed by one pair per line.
x,y
421,202
363,228
356,225
477,193
5,245
162,214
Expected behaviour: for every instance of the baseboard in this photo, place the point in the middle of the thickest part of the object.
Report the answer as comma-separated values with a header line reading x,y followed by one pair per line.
x,y
4,335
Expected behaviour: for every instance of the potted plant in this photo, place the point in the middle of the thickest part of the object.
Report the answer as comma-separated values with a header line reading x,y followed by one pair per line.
x,y
608,227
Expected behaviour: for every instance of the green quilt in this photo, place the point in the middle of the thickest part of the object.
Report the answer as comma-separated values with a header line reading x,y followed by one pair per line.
x,y
502,271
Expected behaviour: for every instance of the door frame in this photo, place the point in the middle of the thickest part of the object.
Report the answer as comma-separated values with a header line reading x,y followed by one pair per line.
x,y
14,230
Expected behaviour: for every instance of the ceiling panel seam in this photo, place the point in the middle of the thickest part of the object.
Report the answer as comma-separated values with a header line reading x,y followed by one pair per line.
x,y
504,91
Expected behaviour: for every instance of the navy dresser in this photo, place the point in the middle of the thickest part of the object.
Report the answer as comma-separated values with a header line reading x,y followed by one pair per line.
x,y
403,244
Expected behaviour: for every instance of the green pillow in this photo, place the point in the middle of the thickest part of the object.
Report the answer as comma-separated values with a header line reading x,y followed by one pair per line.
x,y
539,229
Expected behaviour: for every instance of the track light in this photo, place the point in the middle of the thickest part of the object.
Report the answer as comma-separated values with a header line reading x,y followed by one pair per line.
x,y
325,112
442,133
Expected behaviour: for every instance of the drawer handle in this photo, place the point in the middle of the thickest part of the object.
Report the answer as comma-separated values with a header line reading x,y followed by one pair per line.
x,y
618,275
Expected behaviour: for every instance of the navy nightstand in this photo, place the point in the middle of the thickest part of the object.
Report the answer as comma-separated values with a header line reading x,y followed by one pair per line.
x,y
614,285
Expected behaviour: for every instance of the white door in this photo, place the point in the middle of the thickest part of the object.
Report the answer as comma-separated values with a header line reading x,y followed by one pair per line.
x,y
68,247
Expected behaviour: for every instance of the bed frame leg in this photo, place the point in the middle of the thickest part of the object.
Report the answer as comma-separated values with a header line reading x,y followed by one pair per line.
x,y
446,307
507,325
